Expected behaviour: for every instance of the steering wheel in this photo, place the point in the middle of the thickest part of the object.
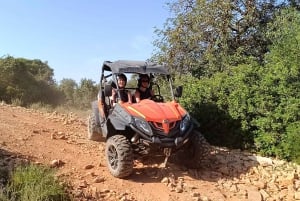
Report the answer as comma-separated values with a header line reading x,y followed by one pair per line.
x,y
157,98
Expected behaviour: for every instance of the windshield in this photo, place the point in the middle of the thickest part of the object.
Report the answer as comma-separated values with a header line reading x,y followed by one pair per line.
x,y
160,84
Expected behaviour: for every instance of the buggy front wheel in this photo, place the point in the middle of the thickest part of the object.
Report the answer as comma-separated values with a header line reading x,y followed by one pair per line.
x,y
119,156
194,152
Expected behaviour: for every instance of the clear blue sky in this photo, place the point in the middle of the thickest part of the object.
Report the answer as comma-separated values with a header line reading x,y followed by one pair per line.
x,y
76,36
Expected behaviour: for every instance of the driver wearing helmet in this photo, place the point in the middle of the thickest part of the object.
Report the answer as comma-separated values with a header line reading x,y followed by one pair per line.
x,y
125,95
143,91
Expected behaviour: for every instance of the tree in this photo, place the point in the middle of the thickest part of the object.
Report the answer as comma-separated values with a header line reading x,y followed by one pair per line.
x,y
68,87
86,93
40,70
27,81
206,37
255,103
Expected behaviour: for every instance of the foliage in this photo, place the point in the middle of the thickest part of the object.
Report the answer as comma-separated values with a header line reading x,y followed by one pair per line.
x,y
206,37
85,94
30,83
41,106
68,87
290,145
27,81
32,182
254,104
279,92
222,105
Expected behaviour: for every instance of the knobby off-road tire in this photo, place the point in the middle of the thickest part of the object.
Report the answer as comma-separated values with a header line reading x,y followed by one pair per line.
x,y
119,156
194,152
94,130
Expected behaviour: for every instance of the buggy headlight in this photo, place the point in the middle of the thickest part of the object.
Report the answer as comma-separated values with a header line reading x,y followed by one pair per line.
x,y
142,125
185,123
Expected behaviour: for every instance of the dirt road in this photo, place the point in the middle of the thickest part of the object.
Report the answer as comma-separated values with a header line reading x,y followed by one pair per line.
x,y
59,140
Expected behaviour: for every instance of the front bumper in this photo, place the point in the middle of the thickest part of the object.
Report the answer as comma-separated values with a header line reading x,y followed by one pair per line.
x,y
165,141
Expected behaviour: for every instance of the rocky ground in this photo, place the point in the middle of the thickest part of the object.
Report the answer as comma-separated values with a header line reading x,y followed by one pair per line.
x,y
59,140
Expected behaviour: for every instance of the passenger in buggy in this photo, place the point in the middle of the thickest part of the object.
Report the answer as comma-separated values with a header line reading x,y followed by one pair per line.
x,y
143,91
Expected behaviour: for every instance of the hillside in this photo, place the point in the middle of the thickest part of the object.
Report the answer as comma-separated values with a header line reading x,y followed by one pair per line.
x,y
59,140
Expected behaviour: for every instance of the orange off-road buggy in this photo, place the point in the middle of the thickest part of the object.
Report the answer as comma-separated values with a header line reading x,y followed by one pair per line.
x,y
142,128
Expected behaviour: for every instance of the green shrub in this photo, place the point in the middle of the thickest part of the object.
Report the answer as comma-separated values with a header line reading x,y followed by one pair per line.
x,y
291,143
254,104
41,106
16,102
28,183
208,101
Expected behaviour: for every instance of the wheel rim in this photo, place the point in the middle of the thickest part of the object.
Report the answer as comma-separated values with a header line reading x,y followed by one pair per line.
x,y
113,157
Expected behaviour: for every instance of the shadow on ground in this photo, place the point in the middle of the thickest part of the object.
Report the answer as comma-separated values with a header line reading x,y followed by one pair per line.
x,y
221,163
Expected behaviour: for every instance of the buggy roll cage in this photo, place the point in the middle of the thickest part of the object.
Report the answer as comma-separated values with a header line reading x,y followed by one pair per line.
x,y
135,67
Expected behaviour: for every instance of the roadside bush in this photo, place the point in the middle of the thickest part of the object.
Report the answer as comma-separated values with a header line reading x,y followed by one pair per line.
x,y
253,105
37,183
291,143
208,101
250,106
41,106
278,97
16,102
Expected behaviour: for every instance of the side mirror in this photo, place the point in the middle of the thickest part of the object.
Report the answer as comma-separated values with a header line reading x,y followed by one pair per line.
x,y
178,91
